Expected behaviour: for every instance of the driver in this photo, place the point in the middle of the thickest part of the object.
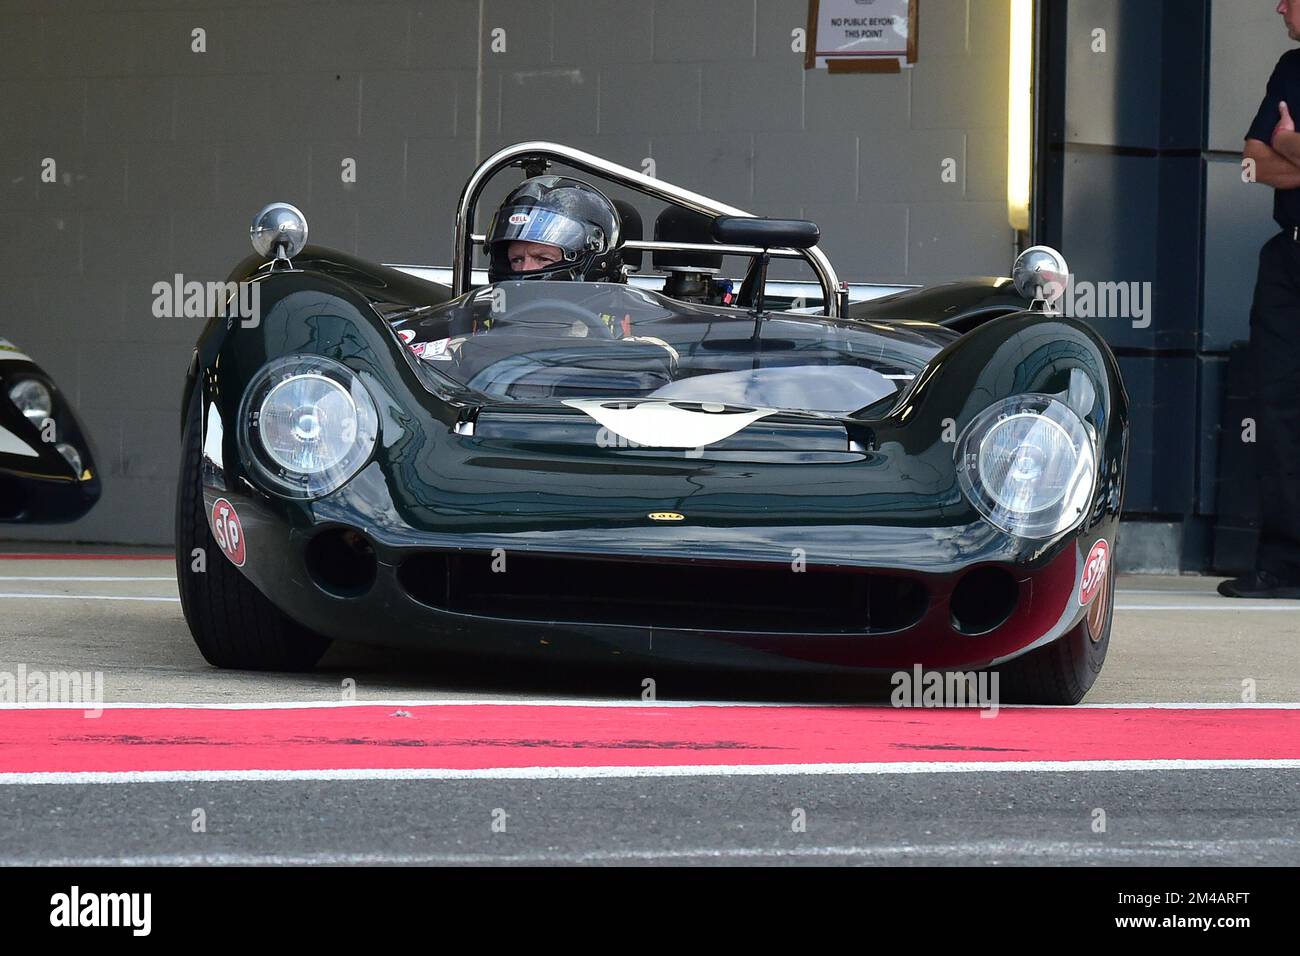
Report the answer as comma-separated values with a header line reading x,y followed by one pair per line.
x,y
553,227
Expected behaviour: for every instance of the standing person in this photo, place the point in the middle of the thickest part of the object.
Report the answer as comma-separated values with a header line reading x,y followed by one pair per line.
x,y
1273,150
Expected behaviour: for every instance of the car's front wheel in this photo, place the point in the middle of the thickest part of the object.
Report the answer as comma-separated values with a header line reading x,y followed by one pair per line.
x,y
1065,670
233,623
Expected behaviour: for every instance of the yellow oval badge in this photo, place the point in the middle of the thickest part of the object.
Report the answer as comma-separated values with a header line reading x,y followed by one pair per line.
x,y
666,516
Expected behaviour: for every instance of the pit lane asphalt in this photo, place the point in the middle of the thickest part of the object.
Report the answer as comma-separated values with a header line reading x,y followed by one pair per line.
x,y
1187,818
1174,640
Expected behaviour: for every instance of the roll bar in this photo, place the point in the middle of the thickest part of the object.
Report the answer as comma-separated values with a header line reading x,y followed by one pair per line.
x,y
536,154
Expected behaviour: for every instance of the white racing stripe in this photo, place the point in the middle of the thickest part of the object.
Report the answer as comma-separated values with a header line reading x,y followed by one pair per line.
x,y
78,778
11,444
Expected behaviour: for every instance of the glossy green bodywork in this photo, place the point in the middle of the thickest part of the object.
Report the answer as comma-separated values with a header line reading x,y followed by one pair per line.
x,y
875,489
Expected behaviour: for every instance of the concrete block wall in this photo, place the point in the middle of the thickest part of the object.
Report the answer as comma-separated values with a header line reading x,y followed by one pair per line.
x,y
162,155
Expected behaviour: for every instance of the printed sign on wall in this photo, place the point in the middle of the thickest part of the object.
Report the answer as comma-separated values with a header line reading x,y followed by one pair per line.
x,y
861,36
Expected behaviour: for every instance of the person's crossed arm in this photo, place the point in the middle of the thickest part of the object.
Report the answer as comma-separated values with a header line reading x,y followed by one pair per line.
x,y
1277,164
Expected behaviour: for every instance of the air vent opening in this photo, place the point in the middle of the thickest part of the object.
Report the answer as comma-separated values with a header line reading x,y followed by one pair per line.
x,y
983,601
342,562
741,598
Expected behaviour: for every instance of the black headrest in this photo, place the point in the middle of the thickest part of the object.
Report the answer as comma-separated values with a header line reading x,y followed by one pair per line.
x,y
767,233
631,230
676,224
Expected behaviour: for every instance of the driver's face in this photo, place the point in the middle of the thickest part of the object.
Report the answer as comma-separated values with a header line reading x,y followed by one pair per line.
x,y
529,256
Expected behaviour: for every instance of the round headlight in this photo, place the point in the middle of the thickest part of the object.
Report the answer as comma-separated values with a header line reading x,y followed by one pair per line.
x,y
1028,465
308,425
33,400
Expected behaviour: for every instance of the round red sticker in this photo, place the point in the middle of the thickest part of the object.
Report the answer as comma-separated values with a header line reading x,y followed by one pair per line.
x,y
228,531
1094,571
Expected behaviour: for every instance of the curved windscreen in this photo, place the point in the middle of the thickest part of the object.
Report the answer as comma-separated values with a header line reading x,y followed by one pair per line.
x,y
531,341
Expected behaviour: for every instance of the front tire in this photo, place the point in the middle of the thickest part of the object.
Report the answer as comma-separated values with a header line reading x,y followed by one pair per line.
x,y
1065,670
232,622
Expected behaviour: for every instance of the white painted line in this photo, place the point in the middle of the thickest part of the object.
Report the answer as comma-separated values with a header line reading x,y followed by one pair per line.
x,y
78,778
966,851
1171,592
613,702
88,597
171,578
1290,608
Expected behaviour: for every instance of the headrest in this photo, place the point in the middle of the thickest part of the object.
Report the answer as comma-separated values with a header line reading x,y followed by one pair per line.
x,y
676,224
631,230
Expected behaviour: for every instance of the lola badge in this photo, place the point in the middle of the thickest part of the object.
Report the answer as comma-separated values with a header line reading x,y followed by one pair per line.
x,y
229,531
1094,572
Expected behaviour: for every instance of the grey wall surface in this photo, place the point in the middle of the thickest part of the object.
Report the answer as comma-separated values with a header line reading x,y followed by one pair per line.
x,y
163,155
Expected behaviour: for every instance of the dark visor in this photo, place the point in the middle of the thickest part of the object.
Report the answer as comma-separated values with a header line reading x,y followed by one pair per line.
x,y
530,224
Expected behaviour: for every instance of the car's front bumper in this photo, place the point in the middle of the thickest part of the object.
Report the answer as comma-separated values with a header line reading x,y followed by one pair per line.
x,y
731,575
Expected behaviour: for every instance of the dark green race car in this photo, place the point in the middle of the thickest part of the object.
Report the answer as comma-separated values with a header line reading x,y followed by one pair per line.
x,y
660,469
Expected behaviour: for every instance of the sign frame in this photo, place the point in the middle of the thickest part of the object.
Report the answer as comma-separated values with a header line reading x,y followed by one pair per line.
x,y
861,62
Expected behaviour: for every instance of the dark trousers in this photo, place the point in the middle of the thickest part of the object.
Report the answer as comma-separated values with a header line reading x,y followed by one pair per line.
x,y
1275,351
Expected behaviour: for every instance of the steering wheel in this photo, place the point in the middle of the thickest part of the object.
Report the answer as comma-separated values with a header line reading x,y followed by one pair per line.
x,y
515,318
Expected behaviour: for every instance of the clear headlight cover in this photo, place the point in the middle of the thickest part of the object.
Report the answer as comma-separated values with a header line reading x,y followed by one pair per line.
x,y
33,400
1029,465
308,425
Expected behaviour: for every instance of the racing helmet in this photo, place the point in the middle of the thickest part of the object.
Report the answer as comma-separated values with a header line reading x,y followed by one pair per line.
x,y
574,216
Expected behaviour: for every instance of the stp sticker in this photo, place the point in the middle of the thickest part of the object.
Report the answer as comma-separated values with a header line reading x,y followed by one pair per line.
x,y
518,219
229,531
1094,572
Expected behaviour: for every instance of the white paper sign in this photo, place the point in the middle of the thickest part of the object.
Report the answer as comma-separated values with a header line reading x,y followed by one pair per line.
x,y
863,29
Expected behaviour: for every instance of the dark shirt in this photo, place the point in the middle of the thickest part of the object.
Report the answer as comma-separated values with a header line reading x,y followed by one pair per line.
x,y
1283,87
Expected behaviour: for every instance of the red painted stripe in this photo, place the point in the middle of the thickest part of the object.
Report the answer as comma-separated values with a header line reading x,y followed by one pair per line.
x,y
64,556
495,736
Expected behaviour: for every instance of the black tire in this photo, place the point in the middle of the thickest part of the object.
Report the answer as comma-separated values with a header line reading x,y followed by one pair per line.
x,y
1065,670
233,623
